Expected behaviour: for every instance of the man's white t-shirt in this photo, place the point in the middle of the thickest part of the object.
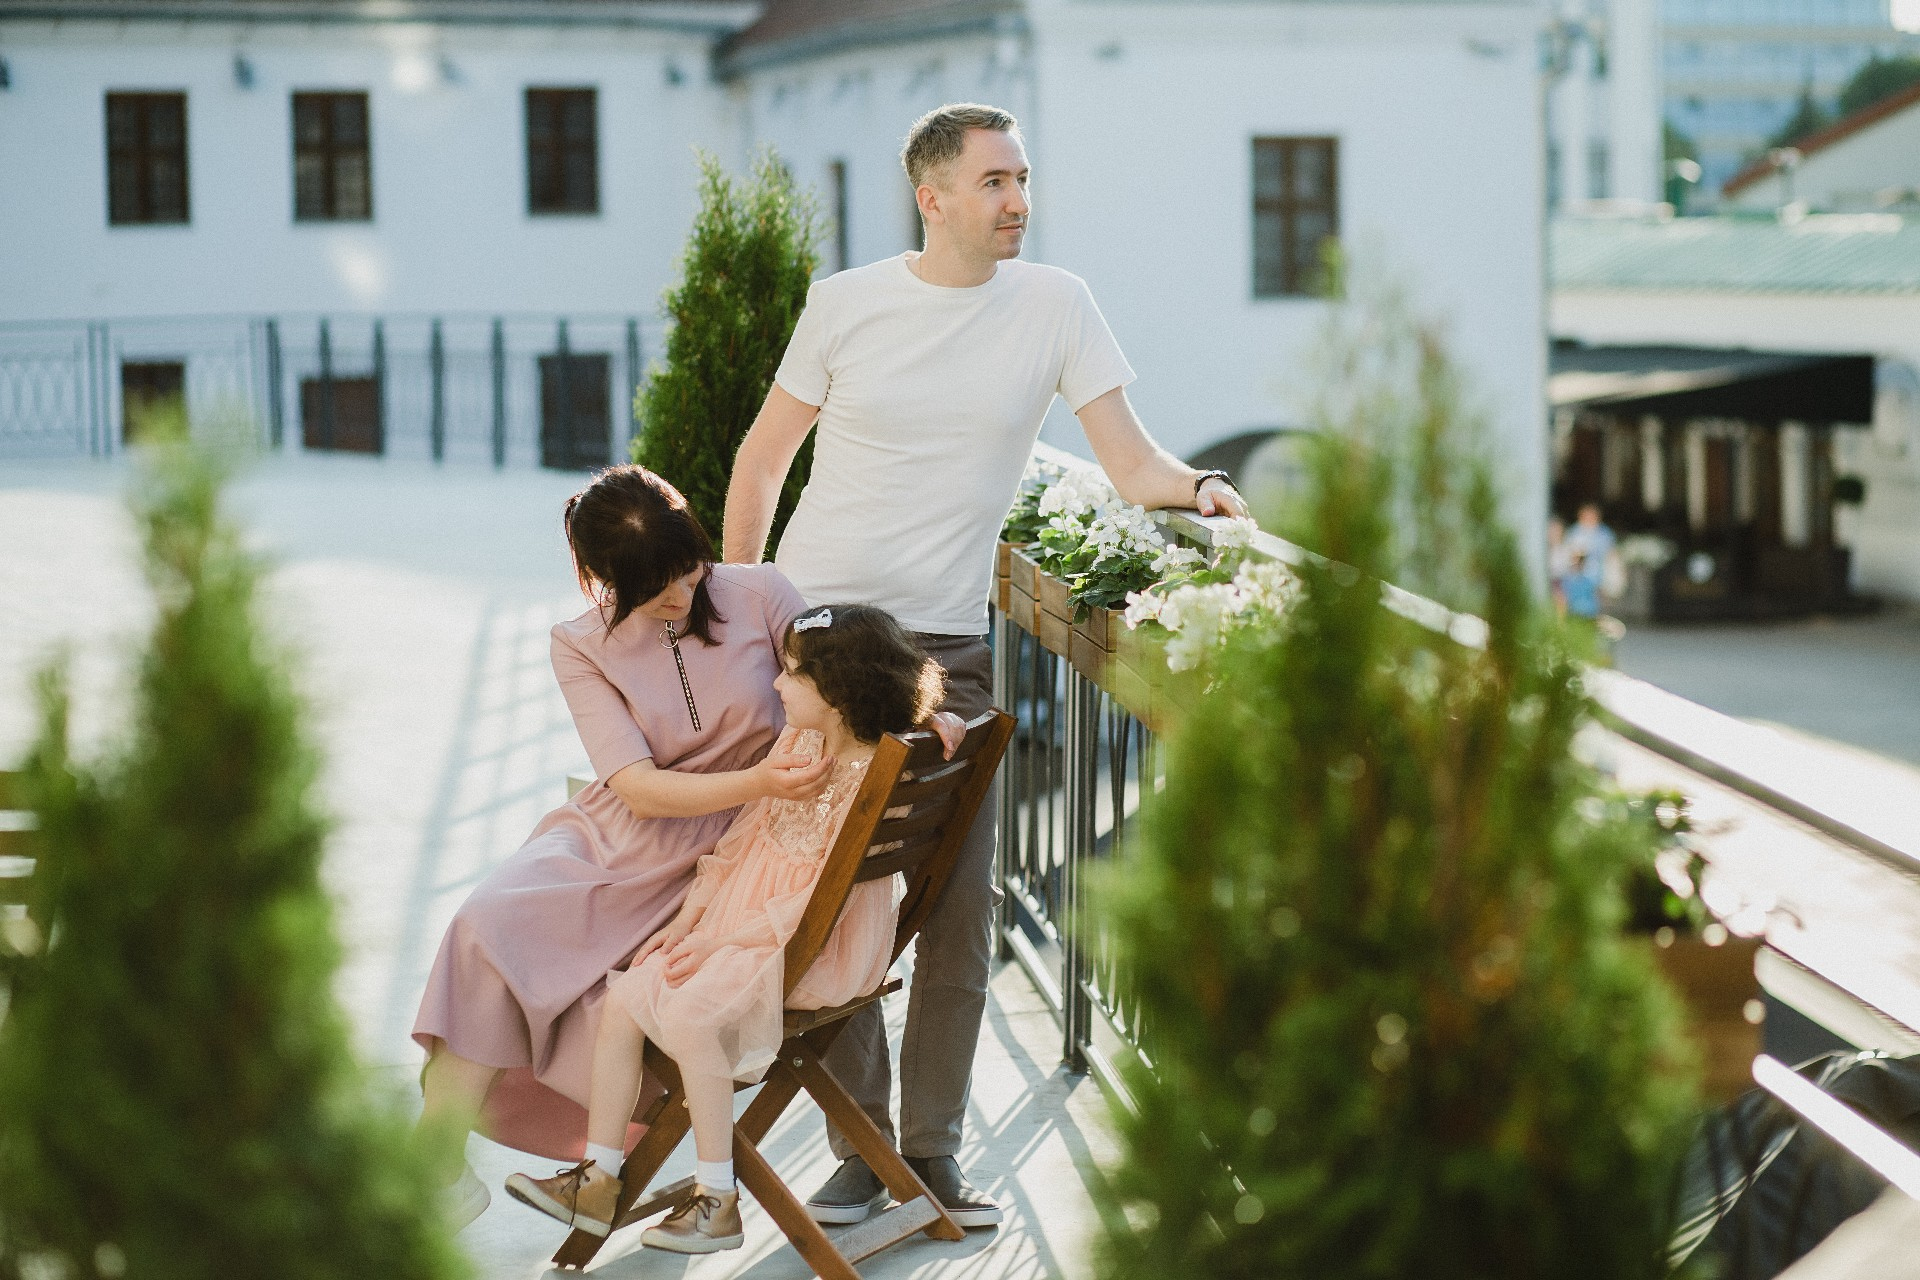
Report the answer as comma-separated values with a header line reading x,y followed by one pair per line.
x,y
930,402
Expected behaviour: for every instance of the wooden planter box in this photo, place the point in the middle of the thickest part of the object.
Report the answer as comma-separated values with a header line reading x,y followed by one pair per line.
x,y
1002,573
1719,989
1090,646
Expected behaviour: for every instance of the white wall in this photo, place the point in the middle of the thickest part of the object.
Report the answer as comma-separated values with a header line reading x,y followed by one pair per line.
x,y
1143,174
856,106
1850,173
1885,533
450,230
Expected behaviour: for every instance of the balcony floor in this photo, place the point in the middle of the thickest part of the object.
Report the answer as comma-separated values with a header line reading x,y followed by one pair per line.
x,y
420,600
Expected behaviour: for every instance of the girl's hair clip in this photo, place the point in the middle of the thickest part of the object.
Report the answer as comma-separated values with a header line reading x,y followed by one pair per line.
x,y
824,618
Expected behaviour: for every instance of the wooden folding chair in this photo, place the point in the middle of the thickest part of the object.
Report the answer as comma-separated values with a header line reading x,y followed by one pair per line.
x,y
911,815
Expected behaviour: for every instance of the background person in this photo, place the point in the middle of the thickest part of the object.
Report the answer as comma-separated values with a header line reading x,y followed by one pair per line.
x,y
928,376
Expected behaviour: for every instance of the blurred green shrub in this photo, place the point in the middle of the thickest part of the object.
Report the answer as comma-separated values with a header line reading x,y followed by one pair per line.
x,y
1392,1028
744,278
178,1099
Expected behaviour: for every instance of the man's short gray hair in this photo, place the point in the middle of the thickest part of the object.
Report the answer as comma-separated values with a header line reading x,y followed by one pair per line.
x,y
935,140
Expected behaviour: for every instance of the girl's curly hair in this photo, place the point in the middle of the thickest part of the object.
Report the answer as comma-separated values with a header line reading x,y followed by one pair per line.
x,y
868,668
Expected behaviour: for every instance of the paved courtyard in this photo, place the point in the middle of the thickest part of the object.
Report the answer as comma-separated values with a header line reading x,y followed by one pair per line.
x,y
420,600
1854,681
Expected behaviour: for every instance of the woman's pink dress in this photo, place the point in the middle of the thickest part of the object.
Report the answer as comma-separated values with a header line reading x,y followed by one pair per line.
x,y
724,1020
522,971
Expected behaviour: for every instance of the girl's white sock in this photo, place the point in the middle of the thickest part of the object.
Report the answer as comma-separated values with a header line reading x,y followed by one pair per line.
x,y
608,1158
714,1175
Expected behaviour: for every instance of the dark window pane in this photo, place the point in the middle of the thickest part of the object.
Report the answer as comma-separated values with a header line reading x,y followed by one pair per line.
x,y
352,193
166,187
332,166
562,151
1268,183
1310,231
1269,264
349,120
146,157
123,122
166,123
309,186
309,120
1310,174
1295,211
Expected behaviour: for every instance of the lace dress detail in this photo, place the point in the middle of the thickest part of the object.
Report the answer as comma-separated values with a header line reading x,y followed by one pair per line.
x,y
803,830
752,891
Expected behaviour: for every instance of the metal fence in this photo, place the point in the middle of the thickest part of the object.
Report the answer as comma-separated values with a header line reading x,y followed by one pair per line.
x,y
518,389
1832,866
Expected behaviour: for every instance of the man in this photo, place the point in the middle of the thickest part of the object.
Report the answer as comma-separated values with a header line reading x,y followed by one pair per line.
x,y
928,375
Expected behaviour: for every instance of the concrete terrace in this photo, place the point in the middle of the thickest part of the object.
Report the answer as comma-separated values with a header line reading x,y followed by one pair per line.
x,y
420,600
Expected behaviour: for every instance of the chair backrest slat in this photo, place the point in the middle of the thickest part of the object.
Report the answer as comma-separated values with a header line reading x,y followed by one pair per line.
x,y
876,866
926,840
933,818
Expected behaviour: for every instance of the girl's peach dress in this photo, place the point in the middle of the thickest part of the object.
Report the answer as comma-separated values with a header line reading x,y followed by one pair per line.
x,y
725,1019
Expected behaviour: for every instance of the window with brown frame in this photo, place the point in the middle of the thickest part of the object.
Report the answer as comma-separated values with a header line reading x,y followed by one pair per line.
x,y
146,158
332,158
563,151
1296,210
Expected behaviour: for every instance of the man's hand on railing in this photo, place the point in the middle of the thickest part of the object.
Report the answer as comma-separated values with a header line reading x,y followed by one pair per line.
x,y
1219,498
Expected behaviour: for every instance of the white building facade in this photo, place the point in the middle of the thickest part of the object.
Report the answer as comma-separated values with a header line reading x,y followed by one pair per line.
x,y
1189,158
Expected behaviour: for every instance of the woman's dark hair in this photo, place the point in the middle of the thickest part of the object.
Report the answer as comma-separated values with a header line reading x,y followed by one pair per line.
x,y
632,533
867,667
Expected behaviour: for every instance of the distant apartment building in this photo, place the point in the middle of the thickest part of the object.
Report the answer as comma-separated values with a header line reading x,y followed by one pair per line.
x,y
1602,66
1733,71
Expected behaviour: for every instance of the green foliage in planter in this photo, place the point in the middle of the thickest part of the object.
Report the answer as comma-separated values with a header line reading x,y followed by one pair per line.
x,y
177,1095
1375,926
744,278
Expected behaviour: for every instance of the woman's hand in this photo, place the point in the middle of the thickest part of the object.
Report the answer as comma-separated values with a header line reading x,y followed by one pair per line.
x,y
685,957
788,775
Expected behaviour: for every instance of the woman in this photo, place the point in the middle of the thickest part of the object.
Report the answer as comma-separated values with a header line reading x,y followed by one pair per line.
x,y
669,677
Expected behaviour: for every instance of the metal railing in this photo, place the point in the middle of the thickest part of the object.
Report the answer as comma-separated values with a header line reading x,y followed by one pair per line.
x,y
505,389
1831,862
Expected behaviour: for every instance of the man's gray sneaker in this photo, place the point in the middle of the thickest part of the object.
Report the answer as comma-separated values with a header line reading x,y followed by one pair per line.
x,y
965,1204
853,1192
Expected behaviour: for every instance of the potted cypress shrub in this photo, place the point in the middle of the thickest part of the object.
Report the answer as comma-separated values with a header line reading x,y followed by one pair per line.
x,y
1375,925
177,1095
749,259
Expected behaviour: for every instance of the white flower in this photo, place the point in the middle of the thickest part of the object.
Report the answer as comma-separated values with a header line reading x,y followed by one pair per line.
x,y
1175,559
1236,534
1142,606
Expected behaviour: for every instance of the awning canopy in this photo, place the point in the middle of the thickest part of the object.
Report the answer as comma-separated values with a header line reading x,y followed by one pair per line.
x,y
1697,382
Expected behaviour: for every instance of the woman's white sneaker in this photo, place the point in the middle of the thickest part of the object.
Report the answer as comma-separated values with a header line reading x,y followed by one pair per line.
x,y
464,1199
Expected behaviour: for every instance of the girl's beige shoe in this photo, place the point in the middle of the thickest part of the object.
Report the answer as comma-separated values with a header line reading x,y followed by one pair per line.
x,y
708,1223
583,1197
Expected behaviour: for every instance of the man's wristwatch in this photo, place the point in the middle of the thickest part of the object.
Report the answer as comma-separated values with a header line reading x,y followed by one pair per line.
x,y
1205,476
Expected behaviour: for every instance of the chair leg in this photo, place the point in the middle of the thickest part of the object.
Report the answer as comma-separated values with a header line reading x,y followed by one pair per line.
x,y
666,1122
860,1130
802,1232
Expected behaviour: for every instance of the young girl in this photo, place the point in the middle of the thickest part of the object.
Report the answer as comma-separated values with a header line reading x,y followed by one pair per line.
x,y
707,989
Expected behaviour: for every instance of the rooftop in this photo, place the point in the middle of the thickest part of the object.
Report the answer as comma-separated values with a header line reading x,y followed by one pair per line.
x,y
788,29
1820,140
1876,253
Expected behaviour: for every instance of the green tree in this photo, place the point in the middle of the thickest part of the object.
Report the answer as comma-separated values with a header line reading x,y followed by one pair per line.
x,y
743,283
177,1095
1374,925
1876,80
1808,117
